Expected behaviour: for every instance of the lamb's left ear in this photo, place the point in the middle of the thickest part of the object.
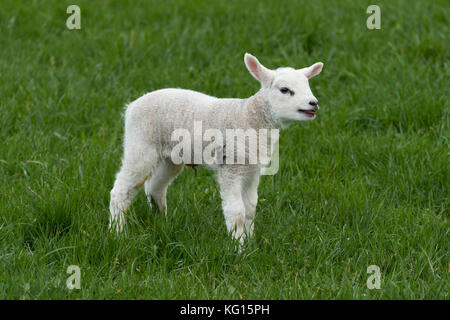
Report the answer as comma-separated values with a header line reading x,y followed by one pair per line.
x,y
313,70
257,70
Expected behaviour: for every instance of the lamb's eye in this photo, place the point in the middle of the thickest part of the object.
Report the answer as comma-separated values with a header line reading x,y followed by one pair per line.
x,y
285,90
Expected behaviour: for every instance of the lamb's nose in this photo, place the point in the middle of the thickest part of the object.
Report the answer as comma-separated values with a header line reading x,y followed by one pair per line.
x,y
314,104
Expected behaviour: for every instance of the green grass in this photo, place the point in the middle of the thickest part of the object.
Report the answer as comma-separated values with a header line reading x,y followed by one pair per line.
x,y
366,183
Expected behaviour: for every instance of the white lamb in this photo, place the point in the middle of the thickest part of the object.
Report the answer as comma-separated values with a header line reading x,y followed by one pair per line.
x,y
284,97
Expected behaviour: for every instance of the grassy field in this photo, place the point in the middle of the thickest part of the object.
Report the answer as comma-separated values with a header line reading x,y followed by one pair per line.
x,y
366,183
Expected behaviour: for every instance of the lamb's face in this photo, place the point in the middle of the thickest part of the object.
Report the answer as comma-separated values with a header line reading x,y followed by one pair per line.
x,y
290,97
287,90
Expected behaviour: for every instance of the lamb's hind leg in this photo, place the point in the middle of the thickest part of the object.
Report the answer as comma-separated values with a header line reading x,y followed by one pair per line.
x,y
138,164
156,186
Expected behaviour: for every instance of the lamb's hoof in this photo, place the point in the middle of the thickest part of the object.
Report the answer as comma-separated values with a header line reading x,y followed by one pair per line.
x,y
149,201
116,225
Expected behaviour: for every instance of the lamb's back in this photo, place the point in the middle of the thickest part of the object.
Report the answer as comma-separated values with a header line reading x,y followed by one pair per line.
x,y
180,107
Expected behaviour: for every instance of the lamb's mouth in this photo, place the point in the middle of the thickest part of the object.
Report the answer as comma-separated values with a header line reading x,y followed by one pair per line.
x,y
309,113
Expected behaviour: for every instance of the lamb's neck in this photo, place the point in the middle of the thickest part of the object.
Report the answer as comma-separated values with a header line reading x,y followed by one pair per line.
x,y
259,112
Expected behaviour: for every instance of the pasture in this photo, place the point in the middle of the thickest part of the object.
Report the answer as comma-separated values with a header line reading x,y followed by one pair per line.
x,y
365,183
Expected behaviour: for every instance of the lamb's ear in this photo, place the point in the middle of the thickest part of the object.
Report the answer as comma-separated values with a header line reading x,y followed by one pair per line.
x,y
313,70
257,70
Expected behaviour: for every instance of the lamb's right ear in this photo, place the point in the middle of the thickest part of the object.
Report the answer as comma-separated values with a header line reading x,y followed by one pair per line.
x,y
257,70
313,70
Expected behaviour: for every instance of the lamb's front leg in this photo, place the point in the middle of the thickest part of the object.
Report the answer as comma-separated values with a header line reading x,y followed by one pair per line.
x,y
232,202
250,197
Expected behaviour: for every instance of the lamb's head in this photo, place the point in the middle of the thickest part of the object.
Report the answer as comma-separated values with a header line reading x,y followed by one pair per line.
x,y
286,90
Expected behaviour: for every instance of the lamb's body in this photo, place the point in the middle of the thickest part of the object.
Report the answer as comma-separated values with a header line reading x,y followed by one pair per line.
x,y
149,123
157,114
